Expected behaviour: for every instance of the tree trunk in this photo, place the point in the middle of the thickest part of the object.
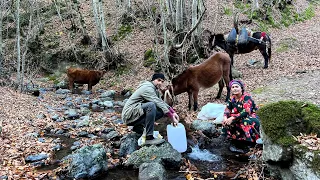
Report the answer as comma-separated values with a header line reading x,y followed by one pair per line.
x,y
179,15
170,11
165,38
100,23
1,19
194,16
18,45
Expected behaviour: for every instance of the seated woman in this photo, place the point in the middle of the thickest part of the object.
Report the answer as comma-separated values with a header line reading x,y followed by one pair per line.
x,y
240,122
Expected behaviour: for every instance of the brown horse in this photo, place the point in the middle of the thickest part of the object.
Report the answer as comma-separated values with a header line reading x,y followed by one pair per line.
x,y
216,68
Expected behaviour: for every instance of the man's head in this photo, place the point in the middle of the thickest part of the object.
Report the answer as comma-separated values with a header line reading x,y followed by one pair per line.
x,y
158,79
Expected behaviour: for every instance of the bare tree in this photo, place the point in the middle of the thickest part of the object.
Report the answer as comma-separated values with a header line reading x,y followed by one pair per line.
x,y
18,44
179,15
3,12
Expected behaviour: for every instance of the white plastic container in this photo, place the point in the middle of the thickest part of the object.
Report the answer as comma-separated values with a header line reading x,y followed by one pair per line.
x,y
177,137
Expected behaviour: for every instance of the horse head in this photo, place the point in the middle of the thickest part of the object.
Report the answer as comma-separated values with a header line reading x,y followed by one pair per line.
x,y
179,83
217,40
168,96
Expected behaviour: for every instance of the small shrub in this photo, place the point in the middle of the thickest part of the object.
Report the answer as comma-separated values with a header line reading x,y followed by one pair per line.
x,y
149,58
227,11
123,31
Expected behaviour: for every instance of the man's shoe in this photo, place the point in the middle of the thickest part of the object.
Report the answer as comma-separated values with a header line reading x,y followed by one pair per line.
x,y
154,141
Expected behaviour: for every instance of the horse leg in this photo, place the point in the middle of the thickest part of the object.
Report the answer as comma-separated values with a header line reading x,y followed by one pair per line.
x,y
228,93
265,56
190,100
195,99
231,57
221,84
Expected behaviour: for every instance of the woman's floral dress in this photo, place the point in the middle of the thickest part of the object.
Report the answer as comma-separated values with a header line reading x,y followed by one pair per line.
x,y
246,125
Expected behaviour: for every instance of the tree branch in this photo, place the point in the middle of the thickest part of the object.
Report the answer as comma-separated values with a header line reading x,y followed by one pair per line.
x,y
195,26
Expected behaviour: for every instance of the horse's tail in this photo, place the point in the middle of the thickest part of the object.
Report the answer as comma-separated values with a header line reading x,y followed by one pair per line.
x,y
269,47
230,73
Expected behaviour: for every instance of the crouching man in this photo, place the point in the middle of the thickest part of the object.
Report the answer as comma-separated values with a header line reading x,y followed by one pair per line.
x,y
145,106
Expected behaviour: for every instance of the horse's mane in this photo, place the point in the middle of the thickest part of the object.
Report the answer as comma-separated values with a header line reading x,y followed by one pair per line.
x,y
181,75
219,36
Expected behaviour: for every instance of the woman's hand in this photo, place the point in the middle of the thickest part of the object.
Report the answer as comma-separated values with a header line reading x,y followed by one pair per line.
x,y
228,121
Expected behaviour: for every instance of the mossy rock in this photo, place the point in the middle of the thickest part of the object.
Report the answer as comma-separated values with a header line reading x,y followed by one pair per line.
x,y
284,119
303,153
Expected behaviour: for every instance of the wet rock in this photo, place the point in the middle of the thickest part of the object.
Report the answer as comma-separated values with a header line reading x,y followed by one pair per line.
x,y
109,93
75,145
84,121
41,116
69,104
3,177
163,154
108,104
83,134
118,121
95,101
85,92
87,162
207,127
55,117
37,157
34,134
57,147
149,171
111,135
63,91
78,100
109,111
68,99
128,144
60,131
107,130
72,114
102,99
84,105
43,140
39,163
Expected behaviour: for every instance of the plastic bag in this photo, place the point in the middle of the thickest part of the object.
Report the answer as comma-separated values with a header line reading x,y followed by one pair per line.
x,y
212,111
142,139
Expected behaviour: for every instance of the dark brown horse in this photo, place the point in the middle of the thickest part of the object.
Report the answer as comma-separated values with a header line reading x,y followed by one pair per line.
x,y
264,46
216,68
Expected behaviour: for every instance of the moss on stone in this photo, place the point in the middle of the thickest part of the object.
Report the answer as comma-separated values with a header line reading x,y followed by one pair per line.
x,y
311,114
284,119
287,141
276,118
315,163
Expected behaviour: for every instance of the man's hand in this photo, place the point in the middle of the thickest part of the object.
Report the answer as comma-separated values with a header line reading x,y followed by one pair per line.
x,y
175,119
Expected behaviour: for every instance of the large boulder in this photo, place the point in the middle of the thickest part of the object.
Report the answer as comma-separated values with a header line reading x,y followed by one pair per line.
x,y
148,171
281,123
87,162
128,144
164,154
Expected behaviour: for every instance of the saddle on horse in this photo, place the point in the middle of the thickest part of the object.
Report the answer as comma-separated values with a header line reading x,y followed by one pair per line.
x,y
235,40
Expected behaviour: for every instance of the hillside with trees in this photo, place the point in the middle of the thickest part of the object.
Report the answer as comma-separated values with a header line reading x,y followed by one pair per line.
x,y
132,39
